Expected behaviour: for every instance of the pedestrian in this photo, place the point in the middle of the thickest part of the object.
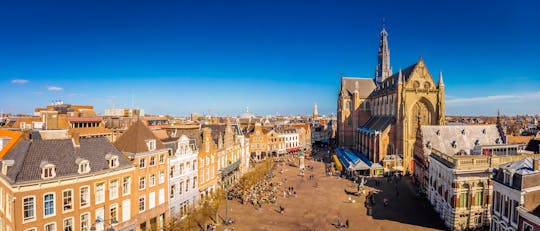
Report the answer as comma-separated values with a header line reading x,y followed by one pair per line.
x,y
338,221
347,223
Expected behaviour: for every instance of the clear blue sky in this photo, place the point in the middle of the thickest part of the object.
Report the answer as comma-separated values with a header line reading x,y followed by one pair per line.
x,y
180,57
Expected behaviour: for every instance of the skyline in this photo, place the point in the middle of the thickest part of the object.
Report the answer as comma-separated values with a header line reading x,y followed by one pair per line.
x,y
224,57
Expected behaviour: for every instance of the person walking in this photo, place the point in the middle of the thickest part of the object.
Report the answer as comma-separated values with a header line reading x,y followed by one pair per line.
x,y
347,223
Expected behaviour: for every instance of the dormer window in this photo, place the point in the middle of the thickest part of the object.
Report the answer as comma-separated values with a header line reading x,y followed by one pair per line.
x,y
428,144
498,140
477,142
151,144
484,131
48,170
454,144
84,166
112,160
438,132
463,132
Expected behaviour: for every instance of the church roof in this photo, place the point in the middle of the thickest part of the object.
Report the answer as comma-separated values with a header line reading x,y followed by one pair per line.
x,y
378,123
364,85
391,82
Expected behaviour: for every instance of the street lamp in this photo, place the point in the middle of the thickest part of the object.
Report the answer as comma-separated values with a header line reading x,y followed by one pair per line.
x,y
112,222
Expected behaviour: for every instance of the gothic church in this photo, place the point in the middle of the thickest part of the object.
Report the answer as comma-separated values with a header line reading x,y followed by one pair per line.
x,y
380,116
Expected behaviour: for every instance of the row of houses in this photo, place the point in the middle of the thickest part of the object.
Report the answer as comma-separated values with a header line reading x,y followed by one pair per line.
x,y
58,174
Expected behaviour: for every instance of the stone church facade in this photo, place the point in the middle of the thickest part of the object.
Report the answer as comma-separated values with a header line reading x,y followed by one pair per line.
x,y
380,116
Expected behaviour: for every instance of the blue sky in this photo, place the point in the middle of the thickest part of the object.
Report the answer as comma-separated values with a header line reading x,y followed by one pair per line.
x,y
179,57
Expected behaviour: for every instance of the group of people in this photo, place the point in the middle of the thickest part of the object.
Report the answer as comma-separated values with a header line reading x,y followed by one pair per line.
x,y
263,192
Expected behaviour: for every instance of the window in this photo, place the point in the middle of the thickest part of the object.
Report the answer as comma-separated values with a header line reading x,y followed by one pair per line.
x,y
100,193
152,160
48,171
151,145
152,180
29,208
67,199
479,198
85,196
173,187
194,182
142,183
506,206
114,212
515,212
126,186
142,163
113,161
50,227
171,172
68,224
187,185
181,169
464,200
194,165
85,221
161,177
141,203
48,201
161,159
113,189
126,210
527,227
181,185
84,166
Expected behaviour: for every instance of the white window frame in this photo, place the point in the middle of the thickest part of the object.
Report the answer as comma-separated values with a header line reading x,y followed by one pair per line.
x,y
143,178
72,223
96,195
34,209
50,223
115,206
142,162
113,194
53,203
88,196
88,221
152,180
143,197
126,190
63,198
161,177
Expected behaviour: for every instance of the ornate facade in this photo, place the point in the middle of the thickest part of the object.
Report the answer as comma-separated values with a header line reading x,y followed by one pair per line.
x,y
379,116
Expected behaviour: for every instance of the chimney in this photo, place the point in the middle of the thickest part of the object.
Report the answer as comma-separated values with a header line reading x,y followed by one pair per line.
x,y
76,139
535,164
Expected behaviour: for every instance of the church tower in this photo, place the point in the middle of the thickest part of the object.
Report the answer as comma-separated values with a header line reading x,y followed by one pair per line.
x,y
383,69
315,111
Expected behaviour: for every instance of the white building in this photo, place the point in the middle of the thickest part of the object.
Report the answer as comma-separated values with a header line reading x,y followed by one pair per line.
x,y
183,184
514,184
461,161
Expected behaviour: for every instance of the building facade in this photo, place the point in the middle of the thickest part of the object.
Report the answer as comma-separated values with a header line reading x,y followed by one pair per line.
x,y
459,175
150,187
183,182
65,184
380,116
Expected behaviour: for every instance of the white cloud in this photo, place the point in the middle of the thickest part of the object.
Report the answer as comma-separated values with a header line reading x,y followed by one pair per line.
x,y
53,88
19,81
523,97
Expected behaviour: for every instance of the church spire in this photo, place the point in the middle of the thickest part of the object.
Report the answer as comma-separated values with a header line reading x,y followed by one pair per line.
x,y
441,82
383,69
